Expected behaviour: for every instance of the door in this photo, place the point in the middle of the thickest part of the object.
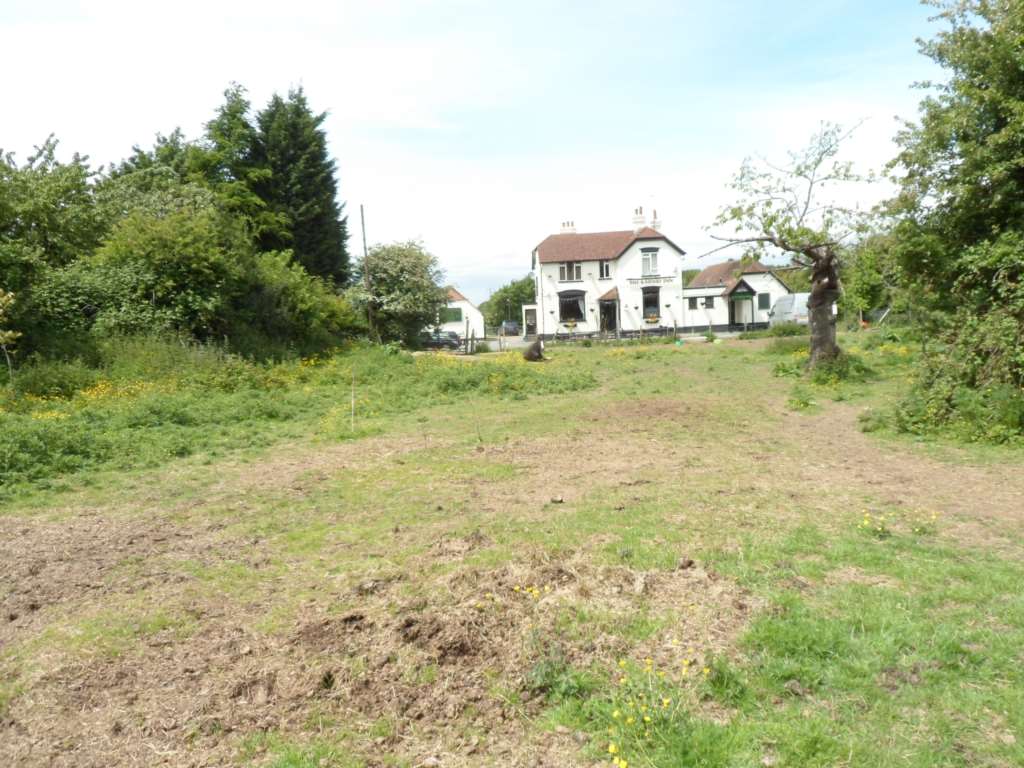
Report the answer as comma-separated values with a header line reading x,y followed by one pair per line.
x,y
531,322
609,316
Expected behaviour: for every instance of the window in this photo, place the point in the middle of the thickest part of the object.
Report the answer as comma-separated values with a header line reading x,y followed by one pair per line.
x,y
651,305
571,306
693,302
451,315
605,270
650,261
709,302
569,271
764,301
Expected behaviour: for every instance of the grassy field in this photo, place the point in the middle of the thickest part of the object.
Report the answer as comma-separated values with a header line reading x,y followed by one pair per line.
x,y
641,556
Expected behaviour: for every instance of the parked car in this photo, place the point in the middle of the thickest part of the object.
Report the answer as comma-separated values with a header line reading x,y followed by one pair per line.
x,y
509,328
439,340
792,308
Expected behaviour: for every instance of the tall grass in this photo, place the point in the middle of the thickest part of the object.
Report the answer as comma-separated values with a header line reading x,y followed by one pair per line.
x,y
150,401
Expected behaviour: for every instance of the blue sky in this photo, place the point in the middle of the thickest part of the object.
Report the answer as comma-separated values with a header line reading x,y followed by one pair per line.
x,y
478,126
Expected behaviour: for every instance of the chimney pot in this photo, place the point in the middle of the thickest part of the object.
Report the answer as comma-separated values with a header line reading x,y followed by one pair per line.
x,y
639,221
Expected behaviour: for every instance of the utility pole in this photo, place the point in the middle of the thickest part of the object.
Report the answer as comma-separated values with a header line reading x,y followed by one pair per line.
x,y
366,279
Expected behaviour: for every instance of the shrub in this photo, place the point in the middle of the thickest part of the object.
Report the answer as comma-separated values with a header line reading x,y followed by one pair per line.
x,y
788,346
793,367
777,331
483,346
42,378
285,303
788,329
192,262
845,367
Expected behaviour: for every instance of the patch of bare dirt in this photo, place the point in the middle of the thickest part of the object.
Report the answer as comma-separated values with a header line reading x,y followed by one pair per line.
x,y
433,668
978,504
87,560
852,575
299,469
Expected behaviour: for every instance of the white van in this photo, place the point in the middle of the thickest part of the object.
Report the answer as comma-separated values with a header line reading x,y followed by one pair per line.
x,y
792,308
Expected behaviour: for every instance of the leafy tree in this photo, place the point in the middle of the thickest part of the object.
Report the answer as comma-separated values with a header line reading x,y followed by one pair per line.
x,y
796,277
47,214
69,309
232,167
507,302
7,336
193,263
284,302
401,285
784,207
959,233
867,275
687,275
298,186
172,152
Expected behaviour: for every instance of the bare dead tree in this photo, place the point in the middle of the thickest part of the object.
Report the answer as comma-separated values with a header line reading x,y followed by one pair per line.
x,y
783,207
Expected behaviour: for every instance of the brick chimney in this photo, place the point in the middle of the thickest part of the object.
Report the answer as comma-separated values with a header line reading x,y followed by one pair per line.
x,y
568,227
655,221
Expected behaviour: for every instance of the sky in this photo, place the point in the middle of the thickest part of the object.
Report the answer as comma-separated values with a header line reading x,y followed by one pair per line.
x,y
478,127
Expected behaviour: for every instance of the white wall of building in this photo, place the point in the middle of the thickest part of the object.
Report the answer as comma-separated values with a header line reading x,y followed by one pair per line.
x,y
703,316
470,313
760,282
626,274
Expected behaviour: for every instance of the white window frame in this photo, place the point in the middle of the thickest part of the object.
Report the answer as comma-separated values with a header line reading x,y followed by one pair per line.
x,y
567,268
605,270
649,263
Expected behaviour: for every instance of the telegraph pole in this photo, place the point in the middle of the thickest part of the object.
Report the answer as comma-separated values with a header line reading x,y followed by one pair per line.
x,y
366,278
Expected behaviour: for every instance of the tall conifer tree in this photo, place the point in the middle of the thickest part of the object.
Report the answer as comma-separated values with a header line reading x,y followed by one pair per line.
x,y
301,187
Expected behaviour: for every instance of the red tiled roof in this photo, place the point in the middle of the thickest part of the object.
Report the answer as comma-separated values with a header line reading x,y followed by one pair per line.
x,y
726,274
594,246
612,295
454,295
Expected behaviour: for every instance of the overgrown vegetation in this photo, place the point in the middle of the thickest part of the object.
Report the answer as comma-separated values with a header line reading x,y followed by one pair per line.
x,y
144,401
959,232
776,331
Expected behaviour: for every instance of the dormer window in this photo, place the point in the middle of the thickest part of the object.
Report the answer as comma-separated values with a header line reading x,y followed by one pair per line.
x,y
650,261
570,271
605,268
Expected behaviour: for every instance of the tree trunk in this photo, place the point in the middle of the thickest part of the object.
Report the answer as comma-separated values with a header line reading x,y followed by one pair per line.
x,y
824,294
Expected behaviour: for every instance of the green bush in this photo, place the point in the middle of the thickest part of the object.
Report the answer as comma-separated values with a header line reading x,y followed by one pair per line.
x,y
283,302
788,346
482,346
193,263
54,378
777,331
788,329
845,367
792,367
